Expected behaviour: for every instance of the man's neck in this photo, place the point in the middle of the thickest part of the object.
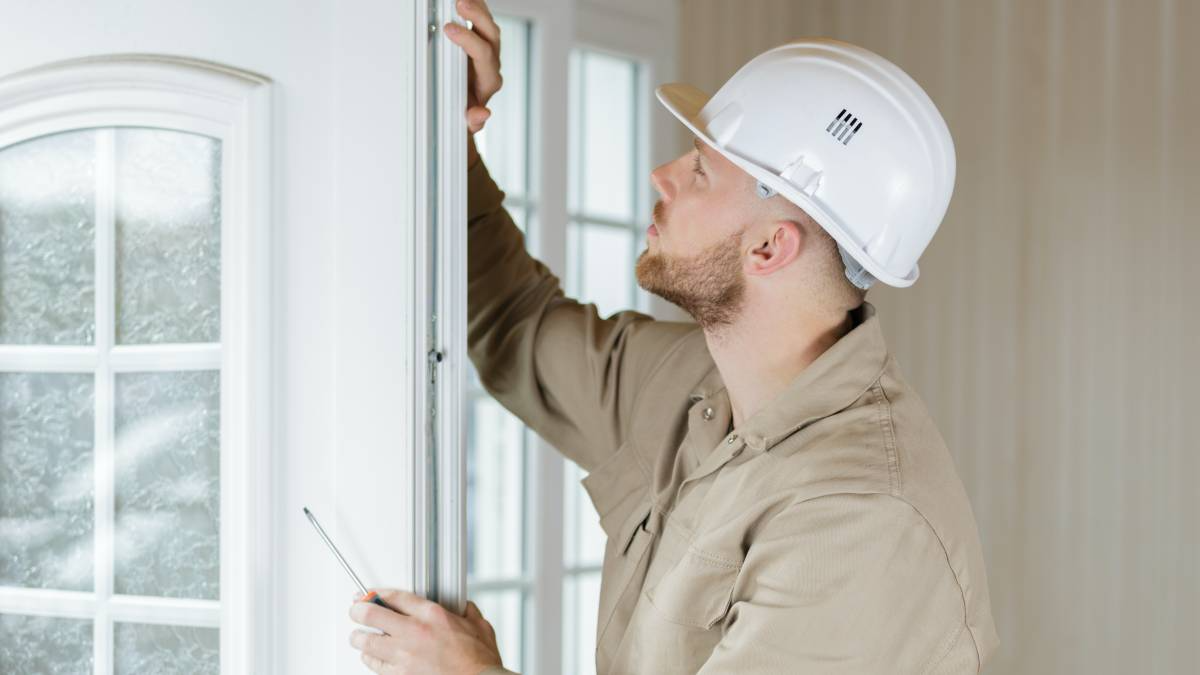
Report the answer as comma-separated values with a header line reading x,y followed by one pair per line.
x,y
761,353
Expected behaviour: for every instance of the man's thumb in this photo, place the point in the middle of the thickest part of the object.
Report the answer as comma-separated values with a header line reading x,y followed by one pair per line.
x,y
476,617
473,612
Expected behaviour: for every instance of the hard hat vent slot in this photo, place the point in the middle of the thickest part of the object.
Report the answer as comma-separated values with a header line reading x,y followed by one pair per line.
x,y
844,126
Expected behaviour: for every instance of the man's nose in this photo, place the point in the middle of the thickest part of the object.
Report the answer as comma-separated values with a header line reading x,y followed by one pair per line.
x,y
661,178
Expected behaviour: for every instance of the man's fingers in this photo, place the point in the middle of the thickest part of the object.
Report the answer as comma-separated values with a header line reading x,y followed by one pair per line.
x,y
485,628
482,52
407,602
484,57
476,117
476,617
382,648
371,614
373,663
481,19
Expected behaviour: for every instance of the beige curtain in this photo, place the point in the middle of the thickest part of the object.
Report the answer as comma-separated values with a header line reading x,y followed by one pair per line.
x,y
1054,330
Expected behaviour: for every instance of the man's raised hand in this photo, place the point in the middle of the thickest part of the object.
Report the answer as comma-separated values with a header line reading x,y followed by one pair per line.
x,y
481,42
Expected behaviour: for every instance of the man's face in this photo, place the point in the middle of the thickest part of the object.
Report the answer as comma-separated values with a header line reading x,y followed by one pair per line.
x,y
693,254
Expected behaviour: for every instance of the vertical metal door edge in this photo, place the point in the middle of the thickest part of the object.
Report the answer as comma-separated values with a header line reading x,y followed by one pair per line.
x,y
450,317
451,320
440,305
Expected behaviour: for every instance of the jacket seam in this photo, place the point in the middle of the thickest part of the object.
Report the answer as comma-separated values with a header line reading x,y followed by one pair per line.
x,y
888,428
961,591
894,471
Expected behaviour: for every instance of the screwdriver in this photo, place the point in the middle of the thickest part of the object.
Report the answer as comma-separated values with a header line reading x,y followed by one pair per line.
x,y
369,596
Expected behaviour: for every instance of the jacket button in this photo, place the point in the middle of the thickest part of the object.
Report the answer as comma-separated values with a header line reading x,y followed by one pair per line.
x,y
731,439
708,413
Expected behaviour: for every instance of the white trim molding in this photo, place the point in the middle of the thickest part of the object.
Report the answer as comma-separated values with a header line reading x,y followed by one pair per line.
x,y
233,106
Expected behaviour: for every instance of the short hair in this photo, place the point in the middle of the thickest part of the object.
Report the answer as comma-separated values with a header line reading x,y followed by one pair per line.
x,y
836,285
831,282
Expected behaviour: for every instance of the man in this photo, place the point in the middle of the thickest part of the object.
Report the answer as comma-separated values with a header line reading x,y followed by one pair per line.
x,y
775,496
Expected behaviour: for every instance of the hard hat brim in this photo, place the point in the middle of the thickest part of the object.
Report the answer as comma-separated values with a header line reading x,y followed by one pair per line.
x,y
686,101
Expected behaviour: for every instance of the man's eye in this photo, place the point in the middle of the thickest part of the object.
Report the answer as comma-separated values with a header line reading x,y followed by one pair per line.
x,y
696,165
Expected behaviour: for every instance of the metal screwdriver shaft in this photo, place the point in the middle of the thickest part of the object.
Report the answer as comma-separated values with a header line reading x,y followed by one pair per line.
x,y
370,596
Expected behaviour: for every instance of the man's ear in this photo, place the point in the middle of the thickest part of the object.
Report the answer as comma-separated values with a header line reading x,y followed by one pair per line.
x,y
781,243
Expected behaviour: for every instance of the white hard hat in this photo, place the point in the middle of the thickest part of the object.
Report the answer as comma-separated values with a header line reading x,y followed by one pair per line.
x,y
844,134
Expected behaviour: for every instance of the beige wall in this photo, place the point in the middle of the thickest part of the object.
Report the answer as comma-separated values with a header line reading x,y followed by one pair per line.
x,y
1054,330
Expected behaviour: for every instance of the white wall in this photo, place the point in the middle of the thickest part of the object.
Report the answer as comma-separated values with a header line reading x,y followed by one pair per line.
x,y
1052,330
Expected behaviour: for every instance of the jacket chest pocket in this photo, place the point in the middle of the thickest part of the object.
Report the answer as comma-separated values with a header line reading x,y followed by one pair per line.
x,y
619,489
696,592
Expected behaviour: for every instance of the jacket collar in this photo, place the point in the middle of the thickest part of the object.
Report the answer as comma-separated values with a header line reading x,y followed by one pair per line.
x,y
837,378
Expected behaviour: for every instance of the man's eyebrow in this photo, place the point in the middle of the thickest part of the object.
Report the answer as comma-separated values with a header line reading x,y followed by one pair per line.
x,y
700,150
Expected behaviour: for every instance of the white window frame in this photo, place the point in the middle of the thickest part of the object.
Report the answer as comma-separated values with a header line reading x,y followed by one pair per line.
x,y
235,107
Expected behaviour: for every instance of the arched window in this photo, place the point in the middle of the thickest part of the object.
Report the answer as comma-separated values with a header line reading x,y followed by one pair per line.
x,y
133,251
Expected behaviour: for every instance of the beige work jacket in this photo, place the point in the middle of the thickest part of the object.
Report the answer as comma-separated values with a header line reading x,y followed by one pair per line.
x,y
830,533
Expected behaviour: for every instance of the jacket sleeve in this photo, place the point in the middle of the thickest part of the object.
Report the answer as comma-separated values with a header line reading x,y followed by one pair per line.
x,y
567,373
846,583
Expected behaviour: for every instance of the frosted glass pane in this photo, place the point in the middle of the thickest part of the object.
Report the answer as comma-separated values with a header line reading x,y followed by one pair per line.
x,y
166,650
168,210
504,142
503,610
46,493
495,490
581,603
47,240
584,539
43,645
603,260
608,136
167,484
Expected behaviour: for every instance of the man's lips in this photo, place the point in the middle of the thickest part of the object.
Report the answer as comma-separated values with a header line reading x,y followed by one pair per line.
x,y
652,231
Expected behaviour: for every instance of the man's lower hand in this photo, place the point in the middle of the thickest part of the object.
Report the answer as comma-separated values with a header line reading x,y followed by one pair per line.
x,y
423,637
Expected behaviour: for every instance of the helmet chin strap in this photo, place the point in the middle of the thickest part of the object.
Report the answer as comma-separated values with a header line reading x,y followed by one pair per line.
x,y
858,276
855,272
